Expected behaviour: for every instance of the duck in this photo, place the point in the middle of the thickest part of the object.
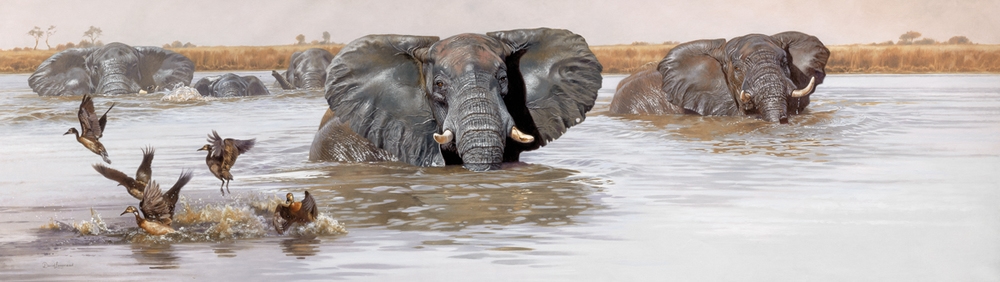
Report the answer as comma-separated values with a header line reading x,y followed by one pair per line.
x,y
294,212
92,127
158,207
151,227
222,154
136,185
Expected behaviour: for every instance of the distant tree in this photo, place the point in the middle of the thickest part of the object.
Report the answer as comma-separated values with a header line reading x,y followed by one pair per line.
x,y
300,39
326,37
37,33
177,44
959,40
165,46
93,33
314,42
189,45
908,37
49,33
84,44
70,45
925,41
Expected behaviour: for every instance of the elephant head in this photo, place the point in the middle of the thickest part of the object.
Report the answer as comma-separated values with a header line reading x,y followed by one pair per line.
x,y
471,99
306,69
231,85
769,76
112,69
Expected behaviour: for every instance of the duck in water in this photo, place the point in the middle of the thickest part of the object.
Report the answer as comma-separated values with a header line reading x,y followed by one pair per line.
x,y
136,185
222,154
294,212
158,207
92,127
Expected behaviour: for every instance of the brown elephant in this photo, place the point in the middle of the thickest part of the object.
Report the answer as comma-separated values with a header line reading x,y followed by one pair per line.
x,y
753,75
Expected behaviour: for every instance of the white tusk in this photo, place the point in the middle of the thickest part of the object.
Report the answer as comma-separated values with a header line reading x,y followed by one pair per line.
x,y
142,91
519,136
805,91
443,138
744,96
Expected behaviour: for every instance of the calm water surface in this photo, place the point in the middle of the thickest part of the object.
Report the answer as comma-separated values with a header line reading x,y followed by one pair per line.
x,y
886,177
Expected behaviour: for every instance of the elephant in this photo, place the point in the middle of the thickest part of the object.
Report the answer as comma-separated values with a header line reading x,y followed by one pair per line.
x,y
231,85
753,75
306,70
476,100
111,69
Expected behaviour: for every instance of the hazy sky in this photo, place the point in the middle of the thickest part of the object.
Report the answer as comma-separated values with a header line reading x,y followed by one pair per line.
x,y
277,22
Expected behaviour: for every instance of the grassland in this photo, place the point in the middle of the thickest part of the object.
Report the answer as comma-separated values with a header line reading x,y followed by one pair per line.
x,y
621,59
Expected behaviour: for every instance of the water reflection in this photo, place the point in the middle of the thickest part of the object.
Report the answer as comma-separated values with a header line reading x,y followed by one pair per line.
x,y
404,197
156,256
300,247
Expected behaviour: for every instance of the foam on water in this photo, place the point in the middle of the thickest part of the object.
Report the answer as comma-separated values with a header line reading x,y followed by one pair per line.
x,y
183,94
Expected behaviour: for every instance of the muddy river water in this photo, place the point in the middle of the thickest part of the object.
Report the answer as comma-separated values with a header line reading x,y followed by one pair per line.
x,y
886,177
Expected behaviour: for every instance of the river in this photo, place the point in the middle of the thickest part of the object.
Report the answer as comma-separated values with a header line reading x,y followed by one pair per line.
x,y
885,177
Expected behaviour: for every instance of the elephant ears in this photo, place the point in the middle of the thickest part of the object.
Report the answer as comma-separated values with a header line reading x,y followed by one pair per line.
x,y
807,56
63,74
693,78
375,85
553,75
160,68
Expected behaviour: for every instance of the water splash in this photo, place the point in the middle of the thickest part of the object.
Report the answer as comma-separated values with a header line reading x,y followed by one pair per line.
x,y
184,93
323,225
94,226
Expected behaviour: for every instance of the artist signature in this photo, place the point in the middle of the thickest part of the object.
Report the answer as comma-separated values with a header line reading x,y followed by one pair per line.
x,y
55,265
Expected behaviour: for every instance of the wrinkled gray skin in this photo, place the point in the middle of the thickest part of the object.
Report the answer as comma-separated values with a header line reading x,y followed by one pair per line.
x,y
112,69
707,77
231,85
398,91
306,70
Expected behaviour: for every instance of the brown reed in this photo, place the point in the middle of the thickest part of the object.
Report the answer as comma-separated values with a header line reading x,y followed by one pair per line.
x,y
616,59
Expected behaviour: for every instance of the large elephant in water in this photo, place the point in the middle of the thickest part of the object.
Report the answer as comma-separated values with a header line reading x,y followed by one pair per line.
x,y
768,76
471,99
230,85
306,70
112,69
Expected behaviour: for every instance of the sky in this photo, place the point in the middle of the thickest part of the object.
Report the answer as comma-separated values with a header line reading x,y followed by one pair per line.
x,y
277,22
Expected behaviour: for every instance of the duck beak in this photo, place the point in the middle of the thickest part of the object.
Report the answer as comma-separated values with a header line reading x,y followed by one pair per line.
x,y
123,213
68,132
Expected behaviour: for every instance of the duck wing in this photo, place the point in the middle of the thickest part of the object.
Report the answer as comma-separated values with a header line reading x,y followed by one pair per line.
x,y
171,196
104,119
232,149
153,205
88,120
115,175
308,210
145,170
217,144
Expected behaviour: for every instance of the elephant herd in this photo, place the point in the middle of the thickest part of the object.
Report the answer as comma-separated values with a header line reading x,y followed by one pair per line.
x,y
476,100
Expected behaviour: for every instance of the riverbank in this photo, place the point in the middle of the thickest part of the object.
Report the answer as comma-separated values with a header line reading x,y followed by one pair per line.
x,y
617,59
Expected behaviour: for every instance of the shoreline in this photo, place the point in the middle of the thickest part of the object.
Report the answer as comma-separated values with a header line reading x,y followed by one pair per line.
x,y
616,59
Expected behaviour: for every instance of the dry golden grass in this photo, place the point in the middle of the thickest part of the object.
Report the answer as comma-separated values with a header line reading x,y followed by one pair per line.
x,y
629,58
914,59
245,58
620,59
624,59
204,58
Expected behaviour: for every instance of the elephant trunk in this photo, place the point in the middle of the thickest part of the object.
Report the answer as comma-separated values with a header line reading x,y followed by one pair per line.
x,y
114,80
313,80
481,131
772,95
